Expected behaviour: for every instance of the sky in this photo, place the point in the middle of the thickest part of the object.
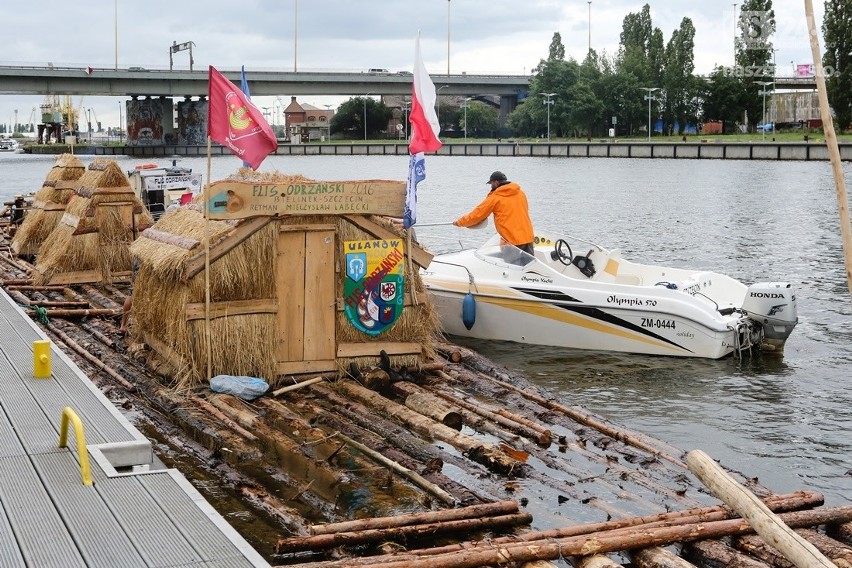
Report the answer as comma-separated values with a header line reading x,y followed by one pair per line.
x,y
472,36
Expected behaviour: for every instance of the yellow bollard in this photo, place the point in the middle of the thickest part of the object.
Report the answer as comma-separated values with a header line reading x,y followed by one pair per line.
x,y
41,359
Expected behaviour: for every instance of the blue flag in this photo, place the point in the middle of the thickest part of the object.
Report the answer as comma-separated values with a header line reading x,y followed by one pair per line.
x,y
244,88
416,174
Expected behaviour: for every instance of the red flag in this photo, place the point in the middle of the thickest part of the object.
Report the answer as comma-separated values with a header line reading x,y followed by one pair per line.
x,y
233,121
424,122
89,70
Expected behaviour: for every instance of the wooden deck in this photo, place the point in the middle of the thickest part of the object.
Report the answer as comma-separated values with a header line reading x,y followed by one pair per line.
x,y
136,512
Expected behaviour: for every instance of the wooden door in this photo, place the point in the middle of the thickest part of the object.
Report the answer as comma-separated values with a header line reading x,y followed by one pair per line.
x,y
306,303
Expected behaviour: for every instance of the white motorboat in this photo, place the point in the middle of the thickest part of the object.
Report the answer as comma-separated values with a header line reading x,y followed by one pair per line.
x,y
599,300
160,187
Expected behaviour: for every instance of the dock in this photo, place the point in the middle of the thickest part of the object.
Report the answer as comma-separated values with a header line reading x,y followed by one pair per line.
x,y
136,512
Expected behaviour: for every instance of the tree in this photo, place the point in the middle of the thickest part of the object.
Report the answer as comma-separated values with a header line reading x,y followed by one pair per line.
x,y
678,80
350,117
557,50
837,59
723,98
481,120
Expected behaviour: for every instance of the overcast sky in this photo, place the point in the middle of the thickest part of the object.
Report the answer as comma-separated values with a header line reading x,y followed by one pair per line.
x,y
485,36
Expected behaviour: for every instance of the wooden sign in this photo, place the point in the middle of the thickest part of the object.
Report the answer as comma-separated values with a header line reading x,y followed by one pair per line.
x,y
238,200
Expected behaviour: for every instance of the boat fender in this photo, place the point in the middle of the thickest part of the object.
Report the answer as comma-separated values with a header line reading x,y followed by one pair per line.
x,y
585,265
469,311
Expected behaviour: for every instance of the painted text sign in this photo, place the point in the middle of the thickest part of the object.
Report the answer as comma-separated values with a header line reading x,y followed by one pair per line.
x,y
237,199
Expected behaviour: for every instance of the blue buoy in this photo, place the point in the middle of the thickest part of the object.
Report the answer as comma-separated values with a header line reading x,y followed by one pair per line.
x,y
469,311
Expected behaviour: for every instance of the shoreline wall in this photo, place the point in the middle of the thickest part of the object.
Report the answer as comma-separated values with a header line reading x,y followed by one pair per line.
x,y
776,151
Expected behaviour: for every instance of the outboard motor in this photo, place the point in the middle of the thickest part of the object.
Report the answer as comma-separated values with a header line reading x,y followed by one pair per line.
x,y
772,305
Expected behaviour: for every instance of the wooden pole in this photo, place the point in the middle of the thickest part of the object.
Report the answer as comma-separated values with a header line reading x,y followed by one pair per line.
x,y
472,511
765,523
207,200
831,143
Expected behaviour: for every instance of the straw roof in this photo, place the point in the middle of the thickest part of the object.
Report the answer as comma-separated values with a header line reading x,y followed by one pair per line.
x,y
100,221
49,204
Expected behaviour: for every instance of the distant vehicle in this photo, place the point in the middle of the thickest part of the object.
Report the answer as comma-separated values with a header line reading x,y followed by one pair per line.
x,y
136,69
377,70
404,73
765,127
8,144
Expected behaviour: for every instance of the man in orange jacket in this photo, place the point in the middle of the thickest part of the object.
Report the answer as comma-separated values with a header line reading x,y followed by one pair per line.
x,y
508,203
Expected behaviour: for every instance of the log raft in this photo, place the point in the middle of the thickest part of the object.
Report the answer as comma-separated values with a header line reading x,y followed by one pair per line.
x,y
578,485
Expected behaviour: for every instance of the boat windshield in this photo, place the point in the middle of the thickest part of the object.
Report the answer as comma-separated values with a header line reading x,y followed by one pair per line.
x,y
497,251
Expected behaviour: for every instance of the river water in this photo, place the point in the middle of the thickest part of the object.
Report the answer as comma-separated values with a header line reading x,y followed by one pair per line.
x,y
786,421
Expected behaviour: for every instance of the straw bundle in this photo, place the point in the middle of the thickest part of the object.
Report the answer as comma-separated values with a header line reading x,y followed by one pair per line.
x,y
97,227
49,204
241,344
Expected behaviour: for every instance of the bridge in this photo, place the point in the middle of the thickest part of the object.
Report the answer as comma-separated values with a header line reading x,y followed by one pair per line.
x,y
138,81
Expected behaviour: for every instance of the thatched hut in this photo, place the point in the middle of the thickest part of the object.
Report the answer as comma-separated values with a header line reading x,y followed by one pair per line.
x,y
90,242
276,295
49,204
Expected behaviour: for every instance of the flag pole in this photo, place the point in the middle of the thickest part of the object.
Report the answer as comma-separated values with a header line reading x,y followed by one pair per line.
x,y
831,143
207,335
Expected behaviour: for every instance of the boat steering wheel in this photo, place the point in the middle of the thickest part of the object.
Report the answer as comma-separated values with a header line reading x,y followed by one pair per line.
x,y
559,252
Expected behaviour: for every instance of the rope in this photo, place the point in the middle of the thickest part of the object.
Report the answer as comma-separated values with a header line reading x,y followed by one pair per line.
x,y
41,315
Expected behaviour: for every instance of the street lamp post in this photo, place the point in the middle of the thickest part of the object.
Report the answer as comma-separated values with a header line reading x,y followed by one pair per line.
x,y
650,97
549,101
89,122
295,35
448,37
464,106
763,92
438,105
328,122
120,124
405,106
365,115
590,26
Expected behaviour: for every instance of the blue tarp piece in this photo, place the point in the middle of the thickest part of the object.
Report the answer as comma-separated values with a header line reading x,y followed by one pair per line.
x,y
247,388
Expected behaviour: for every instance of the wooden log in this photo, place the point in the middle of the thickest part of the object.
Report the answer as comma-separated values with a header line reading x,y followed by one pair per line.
x,y
836,551
85,354
796,549
28,288
473,511
843,533
411,476
432,367
61,304
429,405
481,452
375,379
71,313
597,543
597,561
206,406
404,533
717,553
689,517
658,558
235,410
297,386
540,435
93,293
757,547
170,239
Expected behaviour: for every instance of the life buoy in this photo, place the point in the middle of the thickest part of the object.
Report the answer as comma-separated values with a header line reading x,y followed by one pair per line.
x,y
146,166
